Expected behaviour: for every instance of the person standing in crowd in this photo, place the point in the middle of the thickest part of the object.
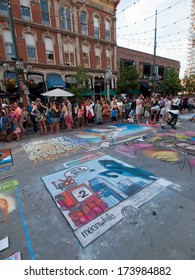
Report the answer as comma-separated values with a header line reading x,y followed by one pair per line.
x,y
89,112
49,116
175,103
105,111
64,113
98,112
114,112
120,110
5,127
127,108
55,113
33,117
68,121
15,127
19,115
40,111
80,114
147,107
138,109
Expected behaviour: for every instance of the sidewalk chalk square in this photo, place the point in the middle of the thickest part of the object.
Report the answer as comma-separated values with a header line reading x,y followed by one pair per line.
x,y
6,158
91,195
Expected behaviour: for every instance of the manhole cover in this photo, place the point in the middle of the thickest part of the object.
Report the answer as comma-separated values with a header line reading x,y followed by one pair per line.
x,y
131,213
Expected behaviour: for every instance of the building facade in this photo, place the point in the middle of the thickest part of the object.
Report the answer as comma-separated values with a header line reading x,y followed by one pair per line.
x,y
144,65
191,50
55,36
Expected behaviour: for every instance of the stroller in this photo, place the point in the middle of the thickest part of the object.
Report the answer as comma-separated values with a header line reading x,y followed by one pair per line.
x,y
172,121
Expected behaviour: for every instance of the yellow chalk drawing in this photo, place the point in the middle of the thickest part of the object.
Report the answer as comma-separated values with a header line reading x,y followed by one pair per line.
x,y
153,139
168,156
182,137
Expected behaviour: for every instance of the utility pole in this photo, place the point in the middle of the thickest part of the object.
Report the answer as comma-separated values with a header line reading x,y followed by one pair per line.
x,y
154,70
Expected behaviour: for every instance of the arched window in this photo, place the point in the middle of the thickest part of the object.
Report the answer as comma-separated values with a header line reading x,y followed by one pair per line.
x,y
85,55
49,50
44,12
25,10
108,59
65,18
3,8
83,23
9,48
107,30
30,45
69,54
96,26
98,57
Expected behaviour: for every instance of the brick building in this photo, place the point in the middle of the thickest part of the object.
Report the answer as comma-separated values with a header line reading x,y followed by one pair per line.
x,y
144,65
56,36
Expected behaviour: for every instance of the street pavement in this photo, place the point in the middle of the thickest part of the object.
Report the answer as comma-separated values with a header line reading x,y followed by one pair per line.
x,y
161,228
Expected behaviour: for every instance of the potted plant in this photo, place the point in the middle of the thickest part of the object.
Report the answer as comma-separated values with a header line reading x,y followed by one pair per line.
x,y
31,84
10,85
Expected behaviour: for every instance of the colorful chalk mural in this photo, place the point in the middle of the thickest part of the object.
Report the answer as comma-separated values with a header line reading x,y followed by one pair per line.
x,y
6,159
7,202
92,194
97,135
170,146
52,148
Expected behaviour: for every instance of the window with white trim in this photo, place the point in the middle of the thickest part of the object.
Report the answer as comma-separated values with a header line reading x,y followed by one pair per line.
x,y
65,18
98,57
107,30
69,54
45,12
25,10
85,55
49,50
96,26
83,23
30,46
3,8
9,48
108,59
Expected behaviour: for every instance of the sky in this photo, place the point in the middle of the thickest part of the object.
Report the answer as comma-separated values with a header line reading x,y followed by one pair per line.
x,y
136,27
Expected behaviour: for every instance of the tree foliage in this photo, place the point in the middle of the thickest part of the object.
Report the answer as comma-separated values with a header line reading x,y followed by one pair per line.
x,y
171,82
83,81
189,84
129,78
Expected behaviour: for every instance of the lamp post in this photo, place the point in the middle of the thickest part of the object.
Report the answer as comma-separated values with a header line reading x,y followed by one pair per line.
x,y
107,77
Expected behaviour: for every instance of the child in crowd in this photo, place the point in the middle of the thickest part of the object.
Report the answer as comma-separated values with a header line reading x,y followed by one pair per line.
x,y
69,121
5,127
15,128
80,114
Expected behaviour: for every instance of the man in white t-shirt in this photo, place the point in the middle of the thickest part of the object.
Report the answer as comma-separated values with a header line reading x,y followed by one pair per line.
x,y
138,109
120,108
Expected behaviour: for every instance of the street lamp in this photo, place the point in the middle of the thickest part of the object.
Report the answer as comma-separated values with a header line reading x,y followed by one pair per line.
x,y
107,77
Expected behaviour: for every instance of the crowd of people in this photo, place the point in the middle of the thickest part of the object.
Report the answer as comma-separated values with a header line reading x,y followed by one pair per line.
x,y
15,120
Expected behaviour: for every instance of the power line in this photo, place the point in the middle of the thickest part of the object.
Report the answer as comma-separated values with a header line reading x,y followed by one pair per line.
x,y
153,15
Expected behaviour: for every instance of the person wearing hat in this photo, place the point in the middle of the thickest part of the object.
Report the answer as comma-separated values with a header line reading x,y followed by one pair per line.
x,y
33,117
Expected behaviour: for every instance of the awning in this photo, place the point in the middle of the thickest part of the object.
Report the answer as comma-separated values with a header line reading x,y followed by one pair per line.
x,y
8,75
87,93
55,81
104,92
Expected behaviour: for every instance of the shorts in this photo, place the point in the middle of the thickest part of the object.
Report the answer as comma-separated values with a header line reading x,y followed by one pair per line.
x,y
138,111
146,114
55,120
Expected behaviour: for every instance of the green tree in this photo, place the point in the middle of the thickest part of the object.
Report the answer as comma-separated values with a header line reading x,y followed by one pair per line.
x,y
83,82
129,78
171,82
189,84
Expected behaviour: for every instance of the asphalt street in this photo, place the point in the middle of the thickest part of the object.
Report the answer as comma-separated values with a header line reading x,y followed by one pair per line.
x,y
161,227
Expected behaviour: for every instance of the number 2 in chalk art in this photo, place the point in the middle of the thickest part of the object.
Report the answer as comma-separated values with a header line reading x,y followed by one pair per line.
x,y
81,193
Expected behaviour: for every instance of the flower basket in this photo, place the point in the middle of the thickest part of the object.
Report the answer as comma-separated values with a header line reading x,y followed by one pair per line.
x,y
10,85
31,84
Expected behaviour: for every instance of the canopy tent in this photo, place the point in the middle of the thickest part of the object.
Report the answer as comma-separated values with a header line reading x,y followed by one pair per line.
x,y
133,91
104,92
57,93
87,93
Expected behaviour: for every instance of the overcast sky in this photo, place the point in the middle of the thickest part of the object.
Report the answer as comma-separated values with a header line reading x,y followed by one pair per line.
x,y
136,24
